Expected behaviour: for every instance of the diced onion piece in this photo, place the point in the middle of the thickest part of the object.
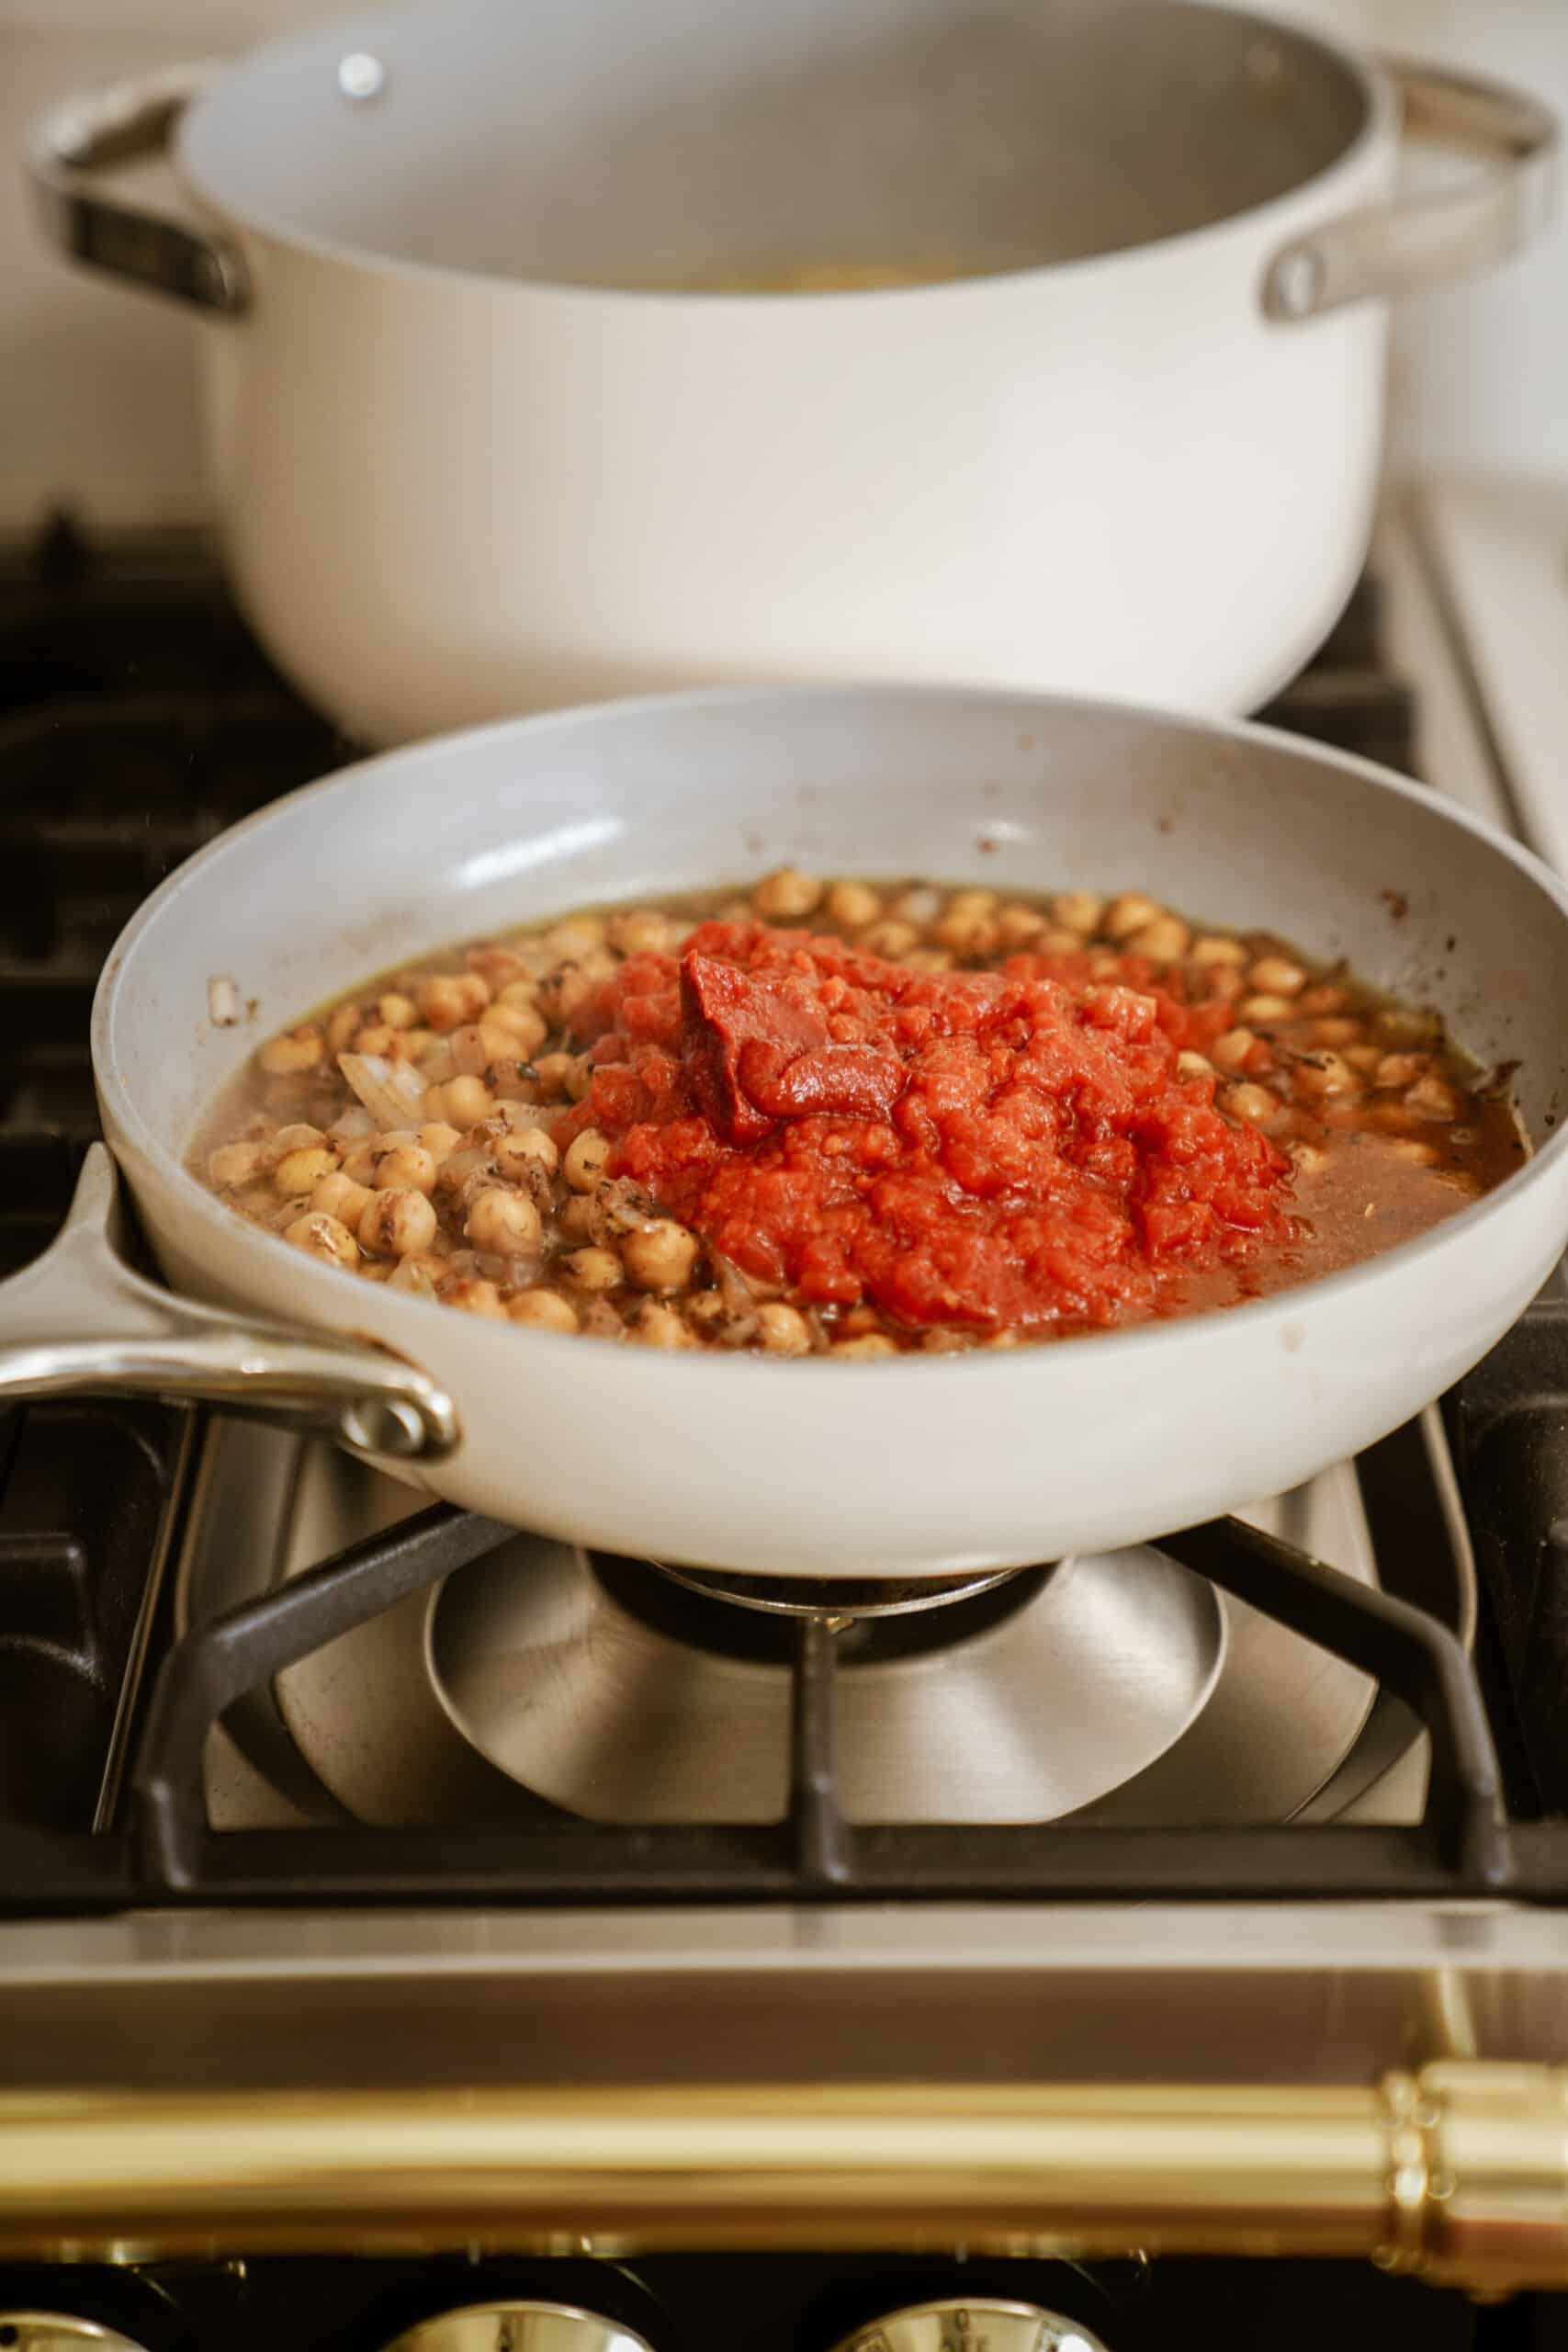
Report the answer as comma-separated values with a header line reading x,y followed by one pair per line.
x,y
392,1092
223,1006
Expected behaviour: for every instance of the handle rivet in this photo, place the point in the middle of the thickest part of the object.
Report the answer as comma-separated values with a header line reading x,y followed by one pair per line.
x,y
360,76
1298,282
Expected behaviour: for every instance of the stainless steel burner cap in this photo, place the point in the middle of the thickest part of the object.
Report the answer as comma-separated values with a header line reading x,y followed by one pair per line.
x,y
609,1691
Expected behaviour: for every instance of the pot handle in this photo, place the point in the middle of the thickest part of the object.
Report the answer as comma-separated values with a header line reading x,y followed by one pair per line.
x,y
127,123
79,1318
1417,241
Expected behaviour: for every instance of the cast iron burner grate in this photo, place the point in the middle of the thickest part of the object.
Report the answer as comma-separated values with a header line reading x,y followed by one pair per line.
x,y
137,719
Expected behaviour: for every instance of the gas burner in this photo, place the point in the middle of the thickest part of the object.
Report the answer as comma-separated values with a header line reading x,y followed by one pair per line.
x,y
626,1696
839,1598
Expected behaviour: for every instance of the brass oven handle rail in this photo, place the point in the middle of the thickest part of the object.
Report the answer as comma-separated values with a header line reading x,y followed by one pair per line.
x,y
1461,1845
1459,2172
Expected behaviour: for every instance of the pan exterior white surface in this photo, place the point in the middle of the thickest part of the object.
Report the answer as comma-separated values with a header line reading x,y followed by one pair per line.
x,y
926,1467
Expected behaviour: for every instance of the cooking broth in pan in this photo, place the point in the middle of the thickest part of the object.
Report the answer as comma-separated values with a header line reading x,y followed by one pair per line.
x,y
856,1119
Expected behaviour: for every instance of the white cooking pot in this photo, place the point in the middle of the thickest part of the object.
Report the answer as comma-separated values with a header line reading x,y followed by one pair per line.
x,y
465,467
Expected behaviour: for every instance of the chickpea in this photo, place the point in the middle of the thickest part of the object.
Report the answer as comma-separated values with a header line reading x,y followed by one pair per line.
x,y
1324,998
1422,1155
1003,1339
1266,1008
1253,1103
551,1074
656,1326
520,1154
323,1236
512,1082
574,937
475,1298
1054,940
338,1195
360,1163
972,902
659,1256
406,1165
377,1038
1079,911
579,1217
890,939
1399,1070
967,930
1164,941
289,1055
1432,1097
300,1171
1336,1030
929,960
1277,976
1224,983
1364,1060
395,1223
518,992
1017,926
452,999
786,893
233,1164
782,1330
580,1078
1193,1065
564,992
920,906
855,904
1212,949
342,1028
869,1343
1310,1158
504,1223
593,1269
439,1139
464,1103
586,1159
512,1030
1326,1074
396,1011
298,1136
639,930
1129,912
543,1310
1230,1051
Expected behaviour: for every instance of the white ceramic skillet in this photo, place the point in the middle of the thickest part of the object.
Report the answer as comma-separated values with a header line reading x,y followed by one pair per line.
x,y
920,1466
465,467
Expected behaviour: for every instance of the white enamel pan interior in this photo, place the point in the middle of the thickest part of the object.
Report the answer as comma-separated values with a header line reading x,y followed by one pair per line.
x,y
918,1467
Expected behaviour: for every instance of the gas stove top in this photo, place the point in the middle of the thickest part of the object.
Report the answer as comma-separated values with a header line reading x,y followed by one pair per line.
x,y
339,1793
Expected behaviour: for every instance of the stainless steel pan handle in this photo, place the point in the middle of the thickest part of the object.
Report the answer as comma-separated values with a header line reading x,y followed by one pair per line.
x,y
127,124
79,1318
1423,239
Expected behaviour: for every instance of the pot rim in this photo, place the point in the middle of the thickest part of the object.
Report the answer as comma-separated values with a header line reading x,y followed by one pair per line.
x,y
1280,213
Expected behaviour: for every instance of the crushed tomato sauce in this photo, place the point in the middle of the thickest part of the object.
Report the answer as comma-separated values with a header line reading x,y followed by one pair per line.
x,y
1002,1149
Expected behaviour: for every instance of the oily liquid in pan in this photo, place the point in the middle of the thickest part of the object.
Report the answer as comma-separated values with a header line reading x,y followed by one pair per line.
x,y
1384,1167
